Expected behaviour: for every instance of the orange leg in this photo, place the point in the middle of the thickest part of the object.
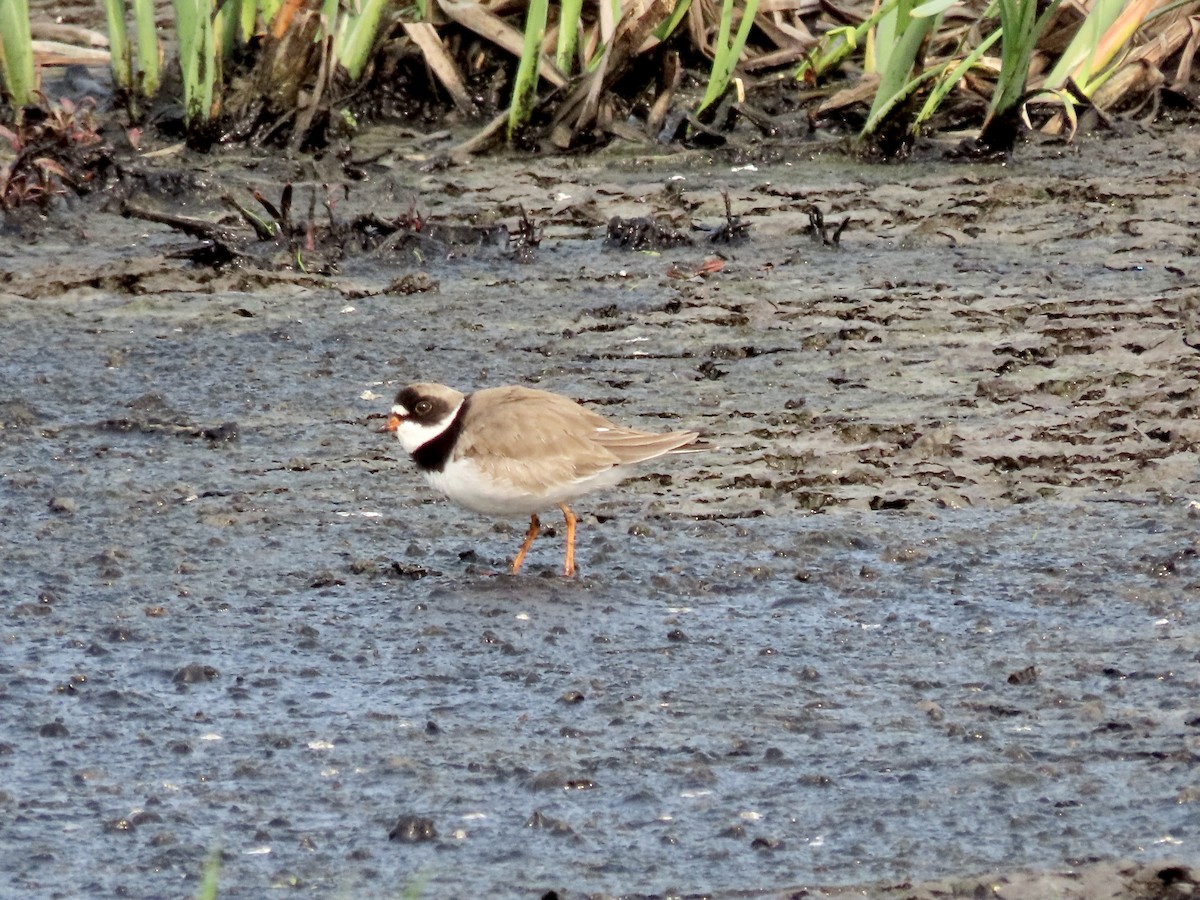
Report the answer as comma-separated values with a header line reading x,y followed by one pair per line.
x,y
569,564
534,527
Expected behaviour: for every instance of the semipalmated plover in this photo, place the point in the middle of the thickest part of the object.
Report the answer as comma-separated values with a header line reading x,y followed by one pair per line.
x,y
515,450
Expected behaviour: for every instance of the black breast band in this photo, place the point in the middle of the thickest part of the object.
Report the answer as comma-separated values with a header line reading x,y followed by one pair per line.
x,y
433,455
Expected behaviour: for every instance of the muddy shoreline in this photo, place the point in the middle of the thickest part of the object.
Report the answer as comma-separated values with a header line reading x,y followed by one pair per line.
x,y
926,611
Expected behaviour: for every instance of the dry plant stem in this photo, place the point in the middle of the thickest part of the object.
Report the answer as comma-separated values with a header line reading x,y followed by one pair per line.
x,y
608,21
283,18
1136,78
289,59
698,27
1183,74
786,56
785,36
486,137
425,36
197,228
583,103
862,92
54,53
1131,18
75,35
1180,31
673,74
1139,73
492,28
305,119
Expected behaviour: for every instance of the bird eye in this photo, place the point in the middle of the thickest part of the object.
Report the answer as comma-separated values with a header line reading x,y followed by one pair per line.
x,y
423,408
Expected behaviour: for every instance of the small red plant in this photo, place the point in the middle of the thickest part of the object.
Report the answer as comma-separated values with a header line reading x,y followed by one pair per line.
x,y
54,147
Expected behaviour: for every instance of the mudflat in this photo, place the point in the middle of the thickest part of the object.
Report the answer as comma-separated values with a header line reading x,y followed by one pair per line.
x,y
924,613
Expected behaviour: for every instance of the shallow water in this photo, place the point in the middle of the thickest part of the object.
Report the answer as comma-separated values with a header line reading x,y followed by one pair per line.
x,y
720,724
234,619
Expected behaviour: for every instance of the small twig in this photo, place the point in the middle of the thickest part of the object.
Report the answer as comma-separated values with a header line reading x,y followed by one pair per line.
x,y
197,228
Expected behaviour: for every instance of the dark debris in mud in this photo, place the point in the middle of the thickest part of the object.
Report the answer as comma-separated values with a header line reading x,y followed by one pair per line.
x,y
820,232
275,238
276,241
734,230
643,233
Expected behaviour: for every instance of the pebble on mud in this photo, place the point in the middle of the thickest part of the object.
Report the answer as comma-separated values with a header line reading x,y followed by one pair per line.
x,y
544,822
1027,675
324,579
194,673
763,843
225,433
67,506
413,830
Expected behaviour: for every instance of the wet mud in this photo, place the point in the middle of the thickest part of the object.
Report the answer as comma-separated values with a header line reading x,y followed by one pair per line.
x,y
926,612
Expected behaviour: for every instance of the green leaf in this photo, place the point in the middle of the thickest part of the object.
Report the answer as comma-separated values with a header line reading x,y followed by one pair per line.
x,y
932,8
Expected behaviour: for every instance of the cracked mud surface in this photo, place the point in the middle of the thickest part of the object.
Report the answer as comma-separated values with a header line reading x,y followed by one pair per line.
x,y
926,612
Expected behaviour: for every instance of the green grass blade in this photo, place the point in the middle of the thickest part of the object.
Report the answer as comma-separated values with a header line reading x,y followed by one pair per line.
x,y
249,14
16,51
727,53
1022,29
889,35
1083,45
883,39
270,9
724,27
568,34
525,85
896,81
358,38
330,19
838,43
198,60
187,32
208,880
147,47
225,26
118,44
667,28
947,82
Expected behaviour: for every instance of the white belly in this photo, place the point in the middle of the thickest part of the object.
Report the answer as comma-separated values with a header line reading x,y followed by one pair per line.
x,y
463,482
